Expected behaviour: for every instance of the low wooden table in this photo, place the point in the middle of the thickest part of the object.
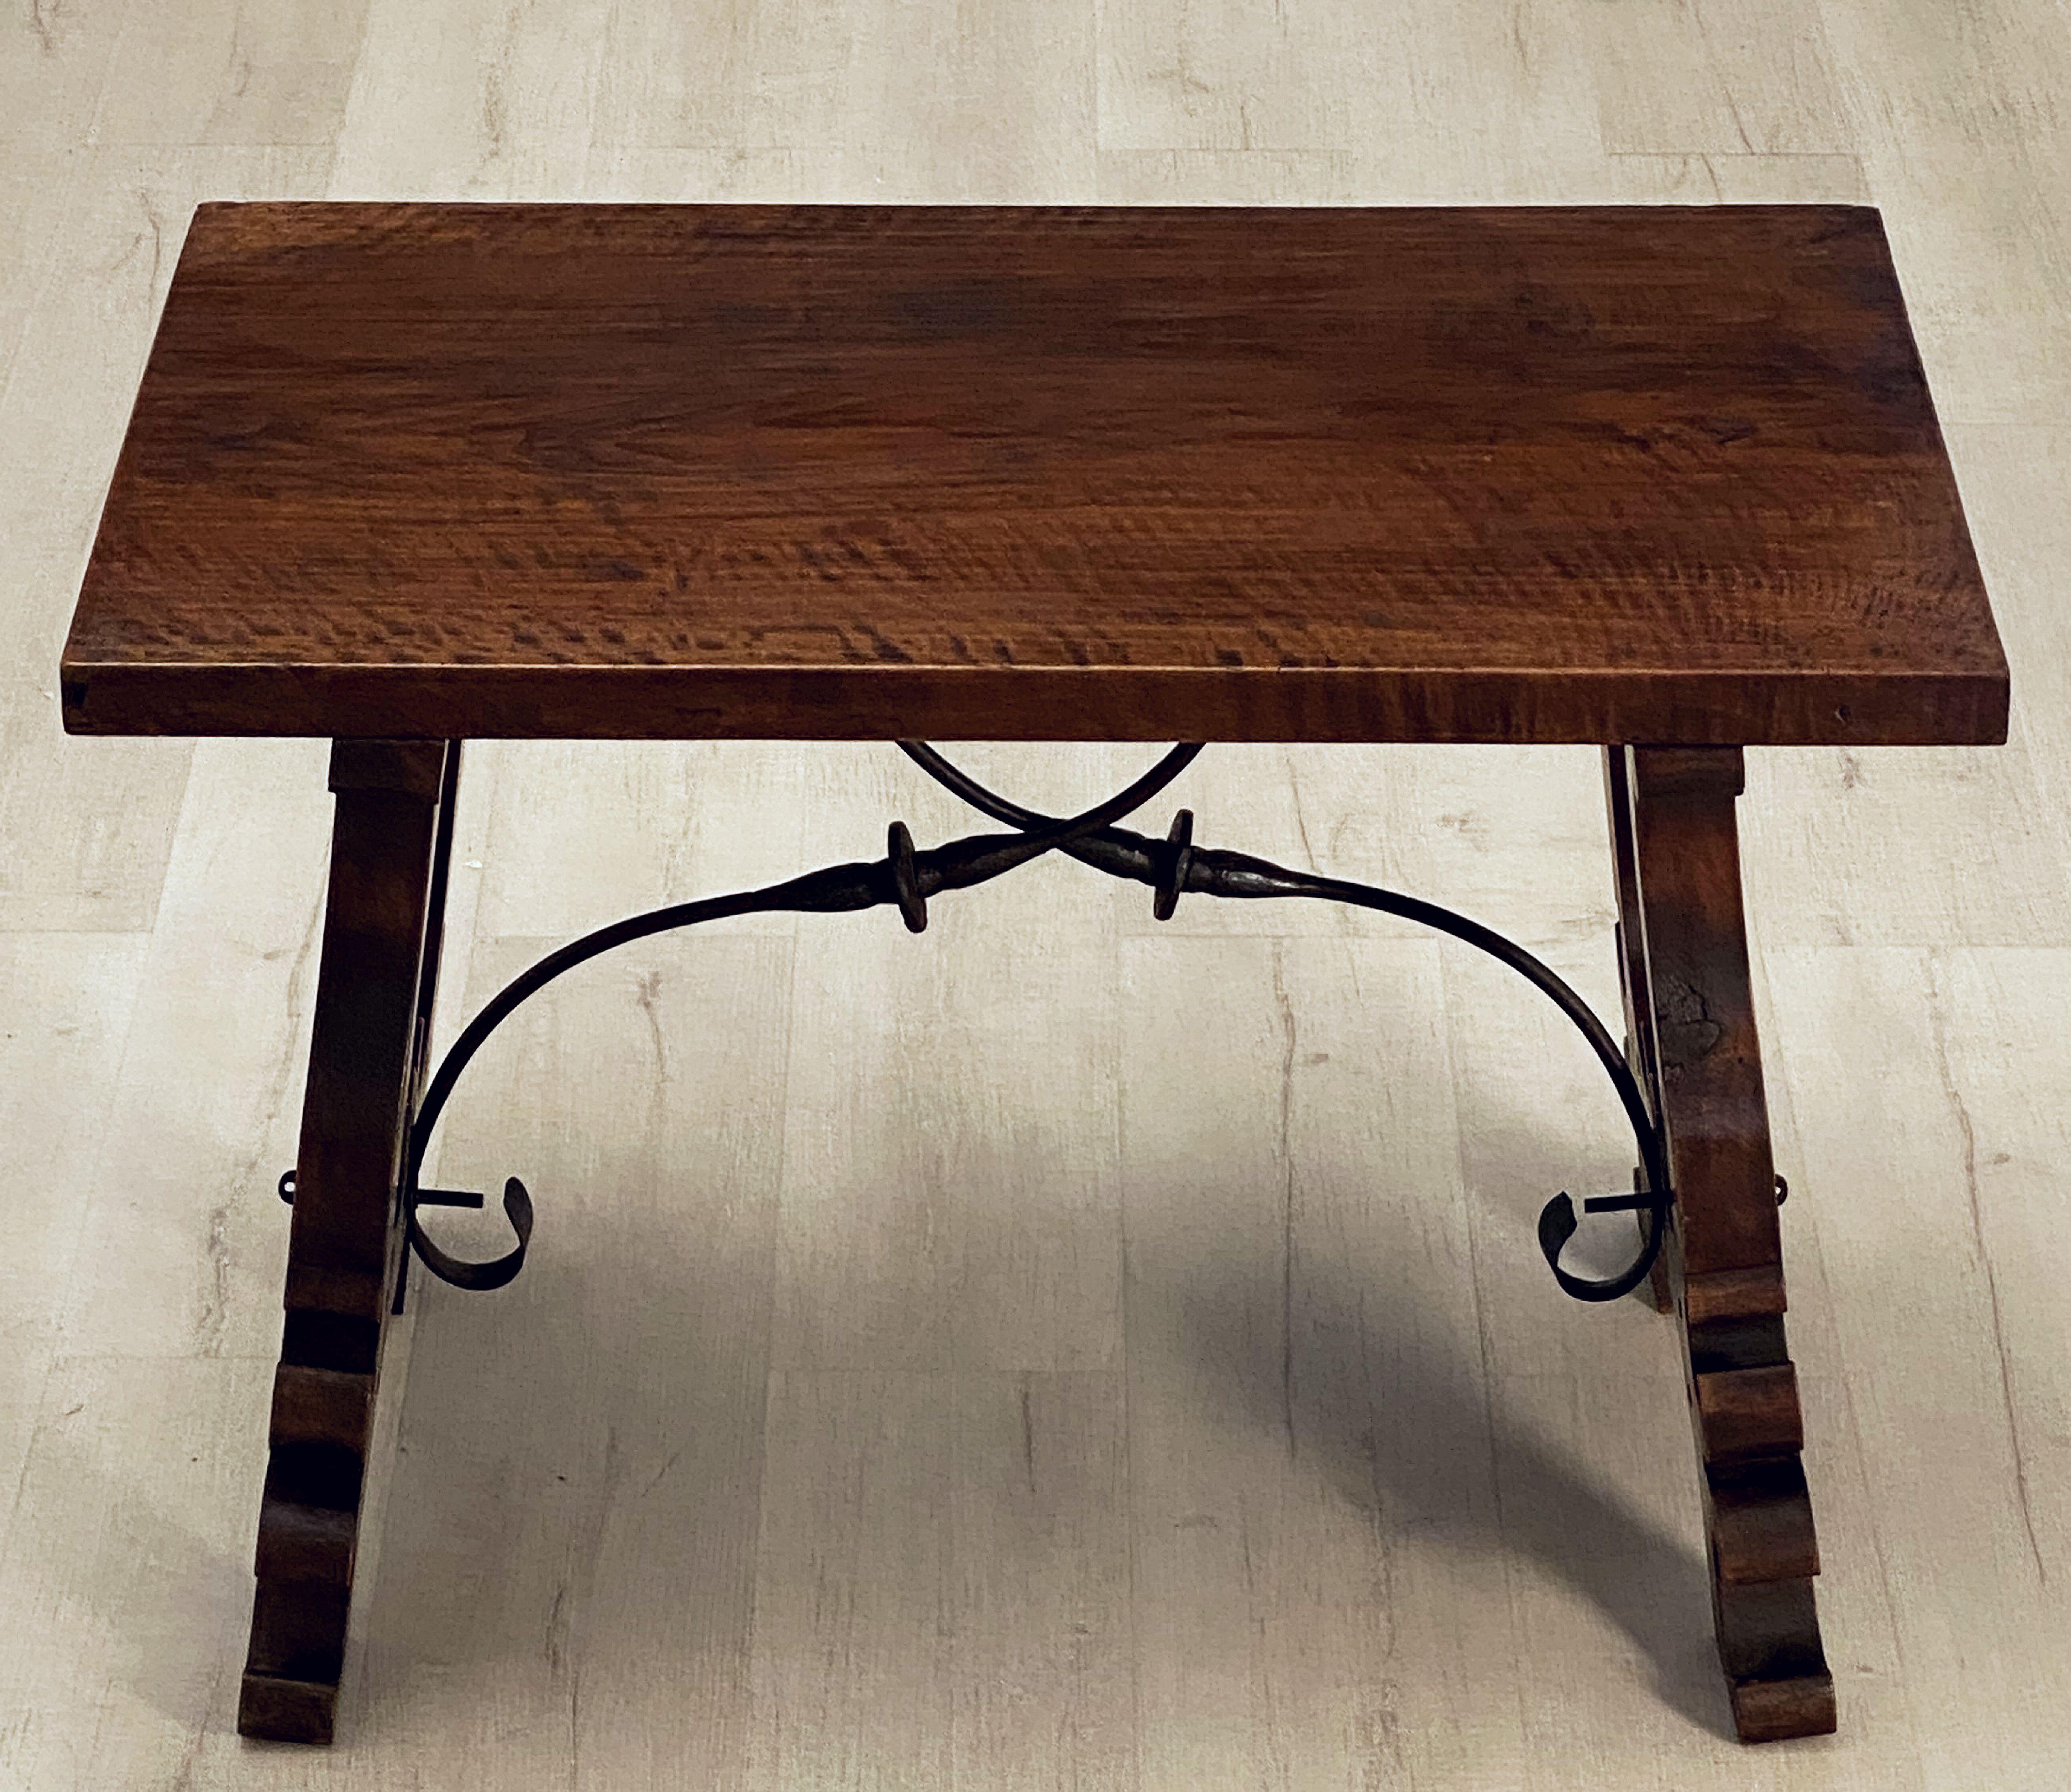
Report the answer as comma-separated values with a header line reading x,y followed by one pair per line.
x,y
1663,479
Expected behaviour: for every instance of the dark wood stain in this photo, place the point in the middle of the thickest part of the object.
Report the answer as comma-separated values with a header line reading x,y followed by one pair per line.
x,y
1690,1012
1604,473
391,842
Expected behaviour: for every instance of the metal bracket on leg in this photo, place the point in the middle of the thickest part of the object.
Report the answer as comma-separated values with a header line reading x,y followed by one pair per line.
x,y
426,1197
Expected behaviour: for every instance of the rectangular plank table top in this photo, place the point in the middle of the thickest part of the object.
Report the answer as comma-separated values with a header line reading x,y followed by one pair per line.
x,y
1661,474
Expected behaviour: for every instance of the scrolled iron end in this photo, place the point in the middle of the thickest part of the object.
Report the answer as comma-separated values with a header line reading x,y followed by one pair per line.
x,y
479,1277
518,1210
1557,1224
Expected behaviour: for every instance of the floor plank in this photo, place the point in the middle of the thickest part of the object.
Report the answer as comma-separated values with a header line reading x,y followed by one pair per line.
x,y
568,1562
1946,1273
90,831
943,1592
230,72
1725,77
127,1575
184,1241
685,820
60,1051
1311,1458
950,1194
53,61
471,98
36,192
1886,847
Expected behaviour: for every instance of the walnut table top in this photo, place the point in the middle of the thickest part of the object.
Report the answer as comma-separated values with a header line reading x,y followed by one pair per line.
x,y
1595,473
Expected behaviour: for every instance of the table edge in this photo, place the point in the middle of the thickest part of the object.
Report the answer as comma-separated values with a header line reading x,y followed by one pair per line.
x,y
1488,705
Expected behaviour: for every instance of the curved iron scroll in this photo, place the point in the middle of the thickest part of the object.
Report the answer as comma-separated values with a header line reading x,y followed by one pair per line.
x,y
906,877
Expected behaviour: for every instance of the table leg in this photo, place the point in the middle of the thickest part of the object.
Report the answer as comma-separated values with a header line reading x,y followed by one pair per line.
x,y
389,844
1677,852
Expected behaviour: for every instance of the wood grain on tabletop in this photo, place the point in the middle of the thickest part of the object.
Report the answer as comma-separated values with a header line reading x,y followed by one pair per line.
x,y
1304,474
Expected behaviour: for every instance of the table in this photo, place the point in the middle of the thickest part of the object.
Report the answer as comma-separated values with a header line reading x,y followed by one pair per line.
x,y
1663,479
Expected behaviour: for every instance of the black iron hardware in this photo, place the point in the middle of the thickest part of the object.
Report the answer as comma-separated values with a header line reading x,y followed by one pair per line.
x,y
906,878
1557,1224
426,1197
1179,866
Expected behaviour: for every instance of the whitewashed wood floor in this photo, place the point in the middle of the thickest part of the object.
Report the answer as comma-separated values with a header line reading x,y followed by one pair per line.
x,y
1059,1351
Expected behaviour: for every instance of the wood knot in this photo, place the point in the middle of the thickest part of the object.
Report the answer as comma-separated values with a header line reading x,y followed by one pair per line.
x,y
1684,1025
